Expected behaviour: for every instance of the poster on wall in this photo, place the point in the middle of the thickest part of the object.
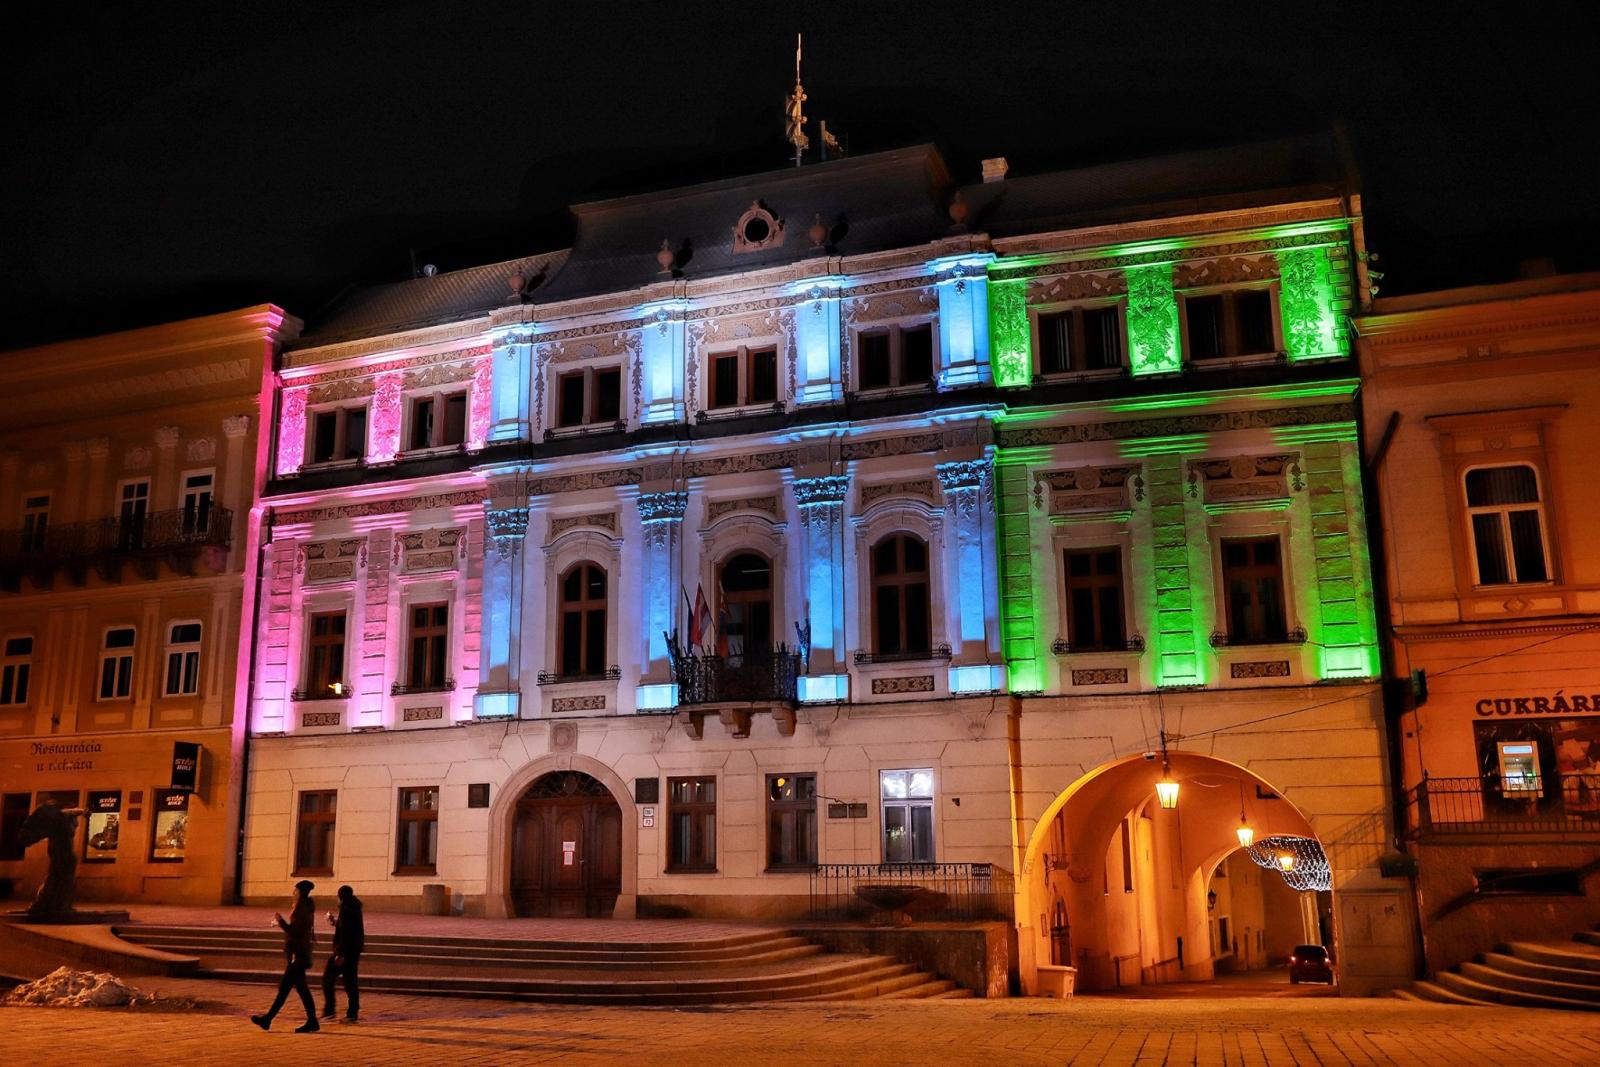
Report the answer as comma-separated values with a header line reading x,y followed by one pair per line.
x,y
171,829
104,815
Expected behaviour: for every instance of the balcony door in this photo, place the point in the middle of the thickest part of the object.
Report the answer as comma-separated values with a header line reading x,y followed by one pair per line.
x,y
197,504
746,585
566,848
133,508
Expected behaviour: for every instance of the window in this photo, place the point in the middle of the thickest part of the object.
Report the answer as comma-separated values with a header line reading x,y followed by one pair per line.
x,y
1519,768
1080,339
1094,599
744,377
133,500
169,830
900,595
35,522
1252,577
325,655
15,669
430,646
898,356
313,842
1507,525
745,583
13,812
907,816
589,397
1234,323
691,824
581,641
438,420
183,660
338,434
417,835
791,821
116,663
197,490
104,829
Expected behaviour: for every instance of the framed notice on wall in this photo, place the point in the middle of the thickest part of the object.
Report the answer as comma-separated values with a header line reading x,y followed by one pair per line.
x,y
104,816
170,831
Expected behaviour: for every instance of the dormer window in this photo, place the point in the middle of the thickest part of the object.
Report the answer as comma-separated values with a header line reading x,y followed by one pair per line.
x,y
757,229
338,434
742,378
1234,323
589,397
895,357
438,420
1079,339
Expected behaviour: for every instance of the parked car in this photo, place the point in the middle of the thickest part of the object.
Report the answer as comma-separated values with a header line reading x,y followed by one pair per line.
x,y
1310,963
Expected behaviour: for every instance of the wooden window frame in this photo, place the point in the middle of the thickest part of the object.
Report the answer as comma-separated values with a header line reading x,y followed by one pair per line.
x,y
583,607
438,400
422,815
435,637
908,802
591,399
191,661
307,821
897,353
319,687
34,532
791,809
1471,511
1094,583
1230,323
1036,317
703,816
108,654
900,580
16,671
728,600
1253,571
745,377
342,450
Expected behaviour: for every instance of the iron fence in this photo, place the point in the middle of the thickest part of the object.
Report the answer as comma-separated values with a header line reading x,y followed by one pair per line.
x,y
770,676
959,892
1503,804
99,540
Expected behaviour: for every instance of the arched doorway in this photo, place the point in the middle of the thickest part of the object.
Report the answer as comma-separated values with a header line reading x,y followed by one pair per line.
x,y
566,848
1116,883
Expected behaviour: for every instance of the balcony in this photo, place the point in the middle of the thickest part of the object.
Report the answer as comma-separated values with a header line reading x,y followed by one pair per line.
x,y
766,677
177,538
1498,805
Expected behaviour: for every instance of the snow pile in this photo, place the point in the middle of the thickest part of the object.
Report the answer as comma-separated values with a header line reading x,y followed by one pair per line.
x,y
67,988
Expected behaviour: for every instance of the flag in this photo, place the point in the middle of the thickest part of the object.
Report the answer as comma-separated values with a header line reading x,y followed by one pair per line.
x,y
700,621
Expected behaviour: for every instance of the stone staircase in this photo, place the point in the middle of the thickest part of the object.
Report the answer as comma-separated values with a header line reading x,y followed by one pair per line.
x,y
735,968
1525,974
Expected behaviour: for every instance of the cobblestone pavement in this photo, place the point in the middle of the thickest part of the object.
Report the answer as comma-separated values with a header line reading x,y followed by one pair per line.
x,y
1089,1030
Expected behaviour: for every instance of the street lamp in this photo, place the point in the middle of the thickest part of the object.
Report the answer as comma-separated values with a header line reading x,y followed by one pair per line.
x,y
1286,861
1246,832
1167,789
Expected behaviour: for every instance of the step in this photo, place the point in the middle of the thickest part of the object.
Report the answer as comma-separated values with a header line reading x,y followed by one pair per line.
x,y
1576,976
1438,994
1476,990
1489,975
923,990
142,932
1587,937
958,993
1561,954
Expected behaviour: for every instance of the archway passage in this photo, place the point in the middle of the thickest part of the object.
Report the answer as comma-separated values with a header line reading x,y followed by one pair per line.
x,y
566,848
1117,885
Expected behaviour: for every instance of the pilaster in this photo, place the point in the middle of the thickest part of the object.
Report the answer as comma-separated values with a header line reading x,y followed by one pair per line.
x,y
817,339
500,649
164,493
663,353
661,521
1176,643
971,581
963,287
820,501
512,386
97,449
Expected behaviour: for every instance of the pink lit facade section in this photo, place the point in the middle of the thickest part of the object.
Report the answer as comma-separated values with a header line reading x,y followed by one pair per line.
x,y
482,404
386,416
292,432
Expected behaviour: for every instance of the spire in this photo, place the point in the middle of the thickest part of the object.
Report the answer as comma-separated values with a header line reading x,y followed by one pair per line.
x,y
796,124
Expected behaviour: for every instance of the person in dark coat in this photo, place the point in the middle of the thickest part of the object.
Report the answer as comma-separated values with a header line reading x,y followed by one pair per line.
x,y
349,939
297,940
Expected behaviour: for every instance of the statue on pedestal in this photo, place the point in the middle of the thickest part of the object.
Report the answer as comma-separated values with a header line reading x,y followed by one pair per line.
x,y
58,828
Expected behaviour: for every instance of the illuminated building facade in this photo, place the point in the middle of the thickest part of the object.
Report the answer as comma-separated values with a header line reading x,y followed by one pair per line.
x,y
1479,404
126,564
845,515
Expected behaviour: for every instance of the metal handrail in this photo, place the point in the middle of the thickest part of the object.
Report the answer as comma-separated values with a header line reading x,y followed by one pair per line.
x,y
954,891
1505,804
770,675
155,531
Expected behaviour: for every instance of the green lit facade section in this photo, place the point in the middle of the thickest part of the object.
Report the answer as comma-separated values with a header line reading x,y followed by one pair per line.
x,y
1019,599
1010,345
1310,304
1152,320
1170,588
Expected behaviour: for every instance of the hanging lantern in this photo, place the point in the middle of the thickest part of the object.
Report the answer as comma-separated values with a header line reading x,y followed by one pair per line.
x,y
1246,833
1167,791
1286,861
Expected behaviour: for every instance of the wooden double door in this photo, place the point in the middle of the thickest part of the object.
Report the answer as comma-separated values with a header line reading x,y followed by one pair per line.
x,y
566,848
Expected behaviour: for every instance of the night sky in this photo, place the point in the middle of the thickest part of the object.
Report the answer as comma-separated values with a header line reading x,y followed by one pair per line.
x,y
159,164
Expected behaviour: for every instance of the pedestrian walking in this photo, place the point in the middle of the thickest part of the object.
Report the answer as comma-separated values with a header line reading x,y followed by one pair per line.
x,y
297,938
349,939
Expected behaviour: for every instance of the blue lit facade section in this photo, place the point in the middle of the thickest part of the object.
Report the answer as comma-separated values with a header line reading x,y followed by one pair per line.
x,y
510,384
662,354
818,377
656,697
963,288
980,678
824,688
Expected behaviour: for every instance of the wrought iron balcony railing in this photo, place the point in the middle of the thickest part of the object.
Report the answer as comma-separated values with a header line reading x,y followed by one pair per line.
x,y
401,689
768,676
937,652
1062,647
1222,639
1506,804
176,536
953,891
610,674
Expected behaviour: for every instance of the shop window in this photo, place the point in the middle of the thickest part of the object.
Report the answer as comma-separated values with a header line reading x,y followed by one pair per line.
x,y
315,822
338,434
691,824
1233,323
743,377
745,586
325,655
35,522
1094,599
895,357
1519,768
116,663
900,609
907,815
429,640
589,397
581,639
13,812
438,420
133,508
169,833
183,660
1079,339
104,826
197,499
1252,579
417,834
15,670
791,821
1507,525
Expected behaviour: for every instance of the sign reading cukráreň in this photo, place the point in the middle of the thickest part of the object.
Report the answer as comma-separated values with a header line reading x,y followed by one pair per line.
x,y
1557,704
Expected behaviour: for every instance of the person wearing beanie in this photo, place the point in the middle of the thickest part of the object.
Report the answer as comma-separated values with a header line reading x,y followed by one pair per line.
x,y
297,941
349,939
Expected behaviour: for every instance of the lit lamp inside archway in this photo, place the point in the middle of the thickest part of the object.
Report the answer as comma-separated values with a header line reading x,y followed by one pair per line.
x,y
1167,789
1245,832
1286,861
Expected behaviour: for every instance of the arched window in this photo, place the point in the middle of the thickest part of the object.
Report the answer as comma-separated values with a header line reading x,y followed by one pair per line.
x,y
1507,520
581,640
746,585
900,595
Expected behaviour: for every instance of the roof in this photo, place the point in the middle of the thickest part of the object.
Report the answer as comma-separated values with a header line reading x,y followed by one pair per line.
x,y
419,302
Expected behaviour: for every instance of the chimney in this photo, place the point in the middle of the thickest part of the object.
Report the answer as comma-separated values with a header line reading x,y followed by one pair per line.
x,y
994,170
